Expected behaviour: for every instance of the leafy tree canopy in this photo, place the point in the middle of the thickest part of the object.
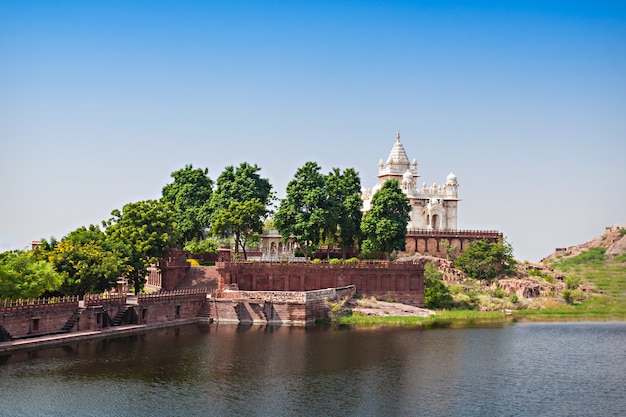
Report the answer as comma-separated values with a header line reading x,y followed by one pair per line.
x,y
243,220
303,212
198,247
190,196
384,225
147,229
241,184
484,260
240,204
89,261
22,275
344,194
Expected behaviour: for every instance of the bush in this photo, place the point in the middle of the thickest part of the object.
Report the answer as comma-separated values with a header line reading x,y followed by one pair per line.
x,y
334,261
436,294
352,261
484,260
316,261
513,298
572,296
499,293
193,262
571,283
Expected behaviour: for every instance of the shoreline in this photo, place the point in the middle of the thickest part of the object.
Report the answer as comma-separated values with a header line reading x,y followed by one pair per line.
x,y
443,319
55,340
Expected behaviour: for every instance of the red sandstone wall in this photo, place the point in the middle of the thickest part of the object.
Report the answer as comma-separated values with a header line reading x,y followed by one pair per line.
x,y
36,321
382,280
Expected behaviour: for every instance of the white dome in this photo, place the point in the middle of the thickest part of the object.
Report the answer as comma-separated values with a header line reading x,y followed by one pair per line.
x,y
407,177
451,179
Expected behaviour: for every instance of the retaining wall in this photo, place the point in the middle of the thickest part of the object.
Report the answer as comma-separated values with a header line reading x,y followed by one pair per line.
x,y
399,281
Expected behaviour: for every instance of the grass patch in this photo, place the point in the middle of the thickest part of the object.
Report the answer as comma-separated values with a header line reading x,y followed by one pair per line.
x,y
452,318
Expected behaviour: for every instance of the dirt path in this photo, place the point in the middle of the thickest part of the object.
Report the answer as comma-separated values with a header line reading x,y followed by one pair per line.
x,y
371,307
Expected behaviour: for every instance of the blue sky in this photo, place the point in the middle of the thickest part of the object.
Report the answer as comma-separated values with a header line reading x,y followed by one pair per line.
x,y
525,101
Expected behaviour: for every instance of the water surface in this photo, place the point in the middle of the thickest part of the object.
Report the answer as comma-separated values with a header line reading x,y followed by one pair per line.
x,y
528,369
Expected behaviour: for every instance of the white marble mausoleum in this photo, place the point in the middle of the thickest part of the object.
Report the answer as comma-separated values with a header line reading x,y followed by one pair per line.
x,y
433,207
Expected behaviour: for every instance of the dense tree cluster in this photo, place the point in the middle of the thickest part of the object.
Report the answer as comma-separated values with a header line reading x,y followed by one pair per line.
x,y
321,209
194,212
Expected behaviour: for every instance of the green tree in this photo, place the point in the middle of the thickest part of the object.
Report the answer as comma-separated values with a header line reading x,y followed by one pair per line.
x,y
243,220
344,219
241,184
436,294
201,246
190,195
384,225
146,229
22,275
484,260
303,212
240,204
90,262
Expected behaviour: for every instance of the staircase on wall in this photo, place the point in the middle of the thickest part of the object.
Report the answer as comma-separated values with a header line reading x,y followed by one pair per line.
x,y
125,316
5,336
251,311
71,322
205,311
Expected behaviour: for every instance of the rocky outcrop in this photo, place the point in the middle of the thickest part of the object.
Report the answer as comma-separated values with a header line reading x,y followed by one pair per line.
x,y
527,288
613,240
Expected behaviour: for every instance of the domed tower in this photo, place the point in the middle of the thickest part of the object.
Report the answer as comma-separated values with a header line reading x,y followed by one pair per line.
x,y
452,186
408,184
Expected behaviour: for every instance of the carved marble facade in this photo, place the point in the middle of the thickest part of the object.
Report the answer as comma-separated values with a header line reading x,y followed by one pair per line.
x,y
433,207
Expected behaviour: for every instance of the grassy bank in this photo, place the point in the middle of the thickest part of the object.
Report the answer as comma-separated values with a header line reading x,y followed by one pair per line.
x,y
599,293
453,318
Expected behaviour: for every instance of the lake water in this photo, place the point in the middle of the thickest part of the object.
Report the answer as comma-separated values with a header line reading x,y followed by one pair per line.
x,y
527,369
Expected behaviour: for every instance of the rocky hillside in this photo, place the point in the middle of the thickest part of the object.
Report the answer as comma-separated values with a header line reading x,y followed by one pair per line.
x,y
613,241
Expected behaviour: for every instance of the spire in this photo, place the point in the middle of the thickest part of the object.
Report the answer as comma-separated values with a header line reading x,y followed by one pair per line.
x,y
398,159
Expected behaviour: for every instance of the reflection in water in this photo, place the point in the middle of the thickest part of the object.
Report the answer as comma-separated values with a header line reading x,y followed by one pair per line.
x,y
525,369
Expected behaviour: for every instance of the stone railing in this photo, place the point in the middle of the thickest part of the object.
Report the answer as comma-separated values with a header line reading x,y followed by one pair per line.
x,y
9,305
314,265
453,232
100,299
193,293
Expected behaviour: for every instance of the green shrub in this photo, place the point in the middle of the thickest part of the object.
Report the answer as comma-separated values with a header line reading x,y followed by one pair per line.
x,y
352,261
622,232
316,261
499,293
335,261
513,298
484,260
436,294
572,296
571,283
549,278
